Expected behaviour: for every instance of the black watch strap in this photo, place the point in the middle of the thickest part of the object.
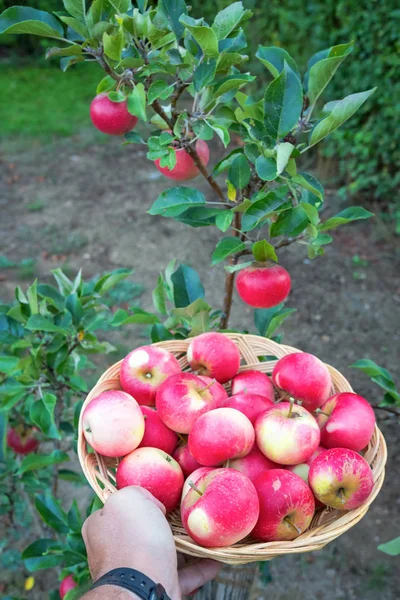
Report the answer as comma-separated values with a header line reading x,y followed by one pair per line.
x,y
135,582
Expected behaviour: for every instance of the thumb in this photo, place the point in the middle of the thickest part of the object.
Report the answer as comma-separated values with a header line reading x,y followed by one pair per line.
x,y
197,574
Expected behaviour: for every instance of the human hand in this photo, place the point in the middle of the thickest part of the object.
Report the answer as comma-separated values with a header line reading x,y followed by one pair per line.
x,y
131,531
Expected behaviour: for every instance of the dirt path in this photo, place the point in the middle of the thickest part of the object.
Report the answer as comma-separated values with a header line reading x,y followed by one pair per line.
x,y
85,205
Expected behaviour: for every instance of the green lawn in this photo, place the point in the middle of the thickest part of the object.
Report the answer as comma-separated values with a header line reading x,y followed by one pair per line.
x,y
45,102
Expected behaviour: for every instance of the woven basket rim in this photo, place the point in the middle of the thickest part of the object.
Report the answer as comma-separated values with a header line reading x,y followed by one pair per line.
x,y
327,524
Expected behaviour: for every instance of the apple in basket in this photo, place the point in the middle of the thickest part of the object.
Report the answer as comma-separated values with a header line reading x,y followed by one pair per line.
x,y
253,464
156,434
215,355
185,460
341,478
113,423
251,405
253,382
220,509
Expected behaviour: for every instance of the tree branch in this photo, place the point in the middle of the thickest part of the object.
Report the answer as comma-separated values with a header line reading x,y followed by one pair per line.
x,y
191,150
389,409
230,279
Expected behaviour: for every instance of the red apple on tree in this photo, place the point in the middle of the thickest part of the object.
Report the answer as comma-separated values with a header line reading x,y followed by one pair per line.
x,y
66,585
111,117
215,355
155,471
250,405
113,423
253,382
143,370
263,285
185,460
219,435
221,508
287,434
22,439
156,434
253,464
286,506
304,377
182,398
185,167
341,478
346,420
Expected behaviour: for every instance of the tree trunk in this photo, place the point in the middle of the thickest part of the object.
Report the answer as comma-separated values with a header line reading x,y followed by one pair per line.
x,y
232,583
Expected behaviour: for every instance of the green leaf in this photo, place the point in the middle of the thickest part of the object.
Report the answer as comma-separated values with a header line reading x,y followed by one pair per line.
x,y
224,220
76,25
283,102
159,296
290,222
174,201
139,316
72,476
369,367
203,34
322,71
229,19
8,364
259,210
239,172
22,19
76,8
392,548
225,247
42,415
65,285
274,59
266,168
39,323
187,286
121,6
33,462
231,82
267,320
239,267
341,111
106,84
283,153
204,74
221,131
74,306
308,182
226,162
31,294
113,45
51,512
347,215
311,212
116,96
132,137
3,435
263,251
74,50
136,102
159,89
110,280
173,10
43,554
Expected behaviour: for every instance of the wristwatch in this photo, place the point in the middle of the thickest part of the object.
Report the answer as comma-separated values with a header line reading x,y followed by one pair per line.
x,y
135,582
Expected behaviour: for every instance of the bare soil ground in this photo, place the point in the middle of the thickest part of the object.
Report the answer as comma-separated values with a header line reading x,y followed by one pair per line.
x,y
77,204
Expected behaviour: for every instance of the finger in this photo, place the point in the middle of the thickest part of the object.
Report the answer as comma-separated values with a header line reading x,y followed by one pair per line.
x,y
131,495
195,575
89,523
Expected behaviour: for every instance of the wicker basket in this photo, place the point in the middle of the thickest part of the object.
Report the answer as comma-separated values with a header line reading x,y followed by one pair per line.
x,y
327,523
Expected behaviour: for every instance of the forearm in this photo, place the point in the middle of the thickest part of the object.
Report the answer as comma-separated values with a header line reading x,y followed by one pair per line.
x,y
110,592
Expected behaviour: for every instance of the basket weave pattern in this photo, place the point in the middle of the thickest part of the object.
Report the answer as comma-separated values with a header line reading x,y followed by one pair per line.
x,y
327,523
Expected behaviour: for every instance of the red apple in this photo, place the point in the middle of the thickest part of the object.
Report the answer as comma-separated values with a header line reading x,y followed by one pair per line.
x,y
66,585
222,510
253,464
185,460
347,421
304,377
156,434
341,478
286,506
182,398
215,355
193,479
155,471
185,167
263,285
111,117
22,440
250,405
113,423
303,469
218,391
287,434
253,382
143,371
219,435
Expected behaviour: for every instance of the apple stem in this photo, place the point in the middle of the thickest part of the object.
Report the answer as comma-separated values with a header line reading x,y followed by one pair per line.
x,y
206,387
321,412
287,519
341,495
291,407
195,488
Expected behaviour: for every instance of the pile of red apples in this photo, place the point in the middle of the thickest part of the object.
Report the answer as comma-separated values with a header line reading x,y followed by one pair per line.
x,y
257,462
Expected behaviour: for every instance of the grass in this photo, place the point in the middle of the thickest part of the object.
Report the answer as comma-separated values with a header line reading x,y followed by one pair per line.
x,y
43,102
